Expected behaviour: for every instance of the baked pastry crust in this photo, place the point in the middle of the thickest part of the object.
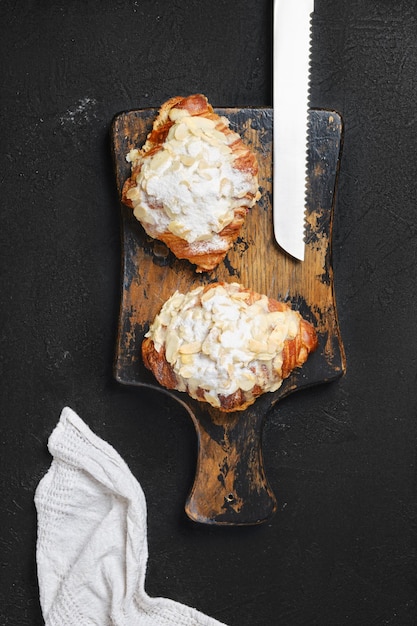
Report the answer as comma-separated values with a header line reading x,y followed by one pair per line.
x,y
231,192
196,335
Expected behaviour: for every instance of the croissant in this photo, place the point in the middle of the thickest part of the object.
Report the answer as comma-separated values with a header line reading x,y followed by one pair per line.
x,y
192,182
226,345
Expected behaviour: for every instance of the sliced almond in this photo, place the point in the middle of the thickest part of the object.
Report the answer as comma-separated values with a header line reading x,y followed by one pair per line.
x,y
257,347
140,212
224,220
190,348
178,228
147,182
226,187
175,165
218,135
186,371
204,123
187,359
246,381
211,140
159,160
133,194
207,295
197,314
203,165
274,345
197,132
240,295
212,398
132,155
224,149
171,348
187,160
181,132
177,114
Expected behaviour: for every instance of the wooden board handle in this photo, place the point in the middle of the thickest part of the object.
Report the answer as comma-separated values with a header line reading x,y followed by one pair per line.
x,y
230,485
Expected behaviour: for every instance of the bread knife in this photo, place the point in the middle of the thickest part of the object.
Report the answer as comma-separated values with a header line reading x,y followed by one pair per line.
x,y
291,52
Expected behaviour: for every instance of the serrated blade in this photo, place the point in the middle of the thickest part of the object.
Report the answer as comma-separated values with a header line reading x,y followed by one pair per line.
x,y
291,51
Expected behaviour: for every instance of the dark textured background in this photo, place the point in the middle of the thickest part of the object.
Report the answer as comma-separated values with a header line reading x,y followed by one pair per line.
x,y
341,457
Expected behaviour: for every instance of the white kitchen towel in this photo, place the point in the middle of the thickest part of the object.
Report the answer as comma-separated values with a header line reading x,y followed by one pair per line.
x,y
92,545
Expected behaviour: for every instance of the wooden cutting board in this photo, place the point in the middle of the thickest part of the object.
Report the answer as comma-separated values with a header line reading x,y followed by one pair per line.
x,y
230,485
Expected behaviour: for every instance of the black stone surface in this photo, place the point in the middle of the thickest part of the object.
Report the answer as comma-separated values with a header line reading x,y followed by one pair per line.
x,y
341,549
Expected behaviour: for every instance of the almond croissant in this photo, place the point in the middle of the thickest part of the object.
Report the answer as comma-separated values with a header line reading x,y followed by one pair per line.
x,y
226,345
192,182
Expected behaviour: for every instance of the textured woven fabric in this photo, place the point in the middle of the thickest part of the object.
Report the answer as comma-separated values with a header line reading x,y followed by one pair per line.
x,y
92,538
